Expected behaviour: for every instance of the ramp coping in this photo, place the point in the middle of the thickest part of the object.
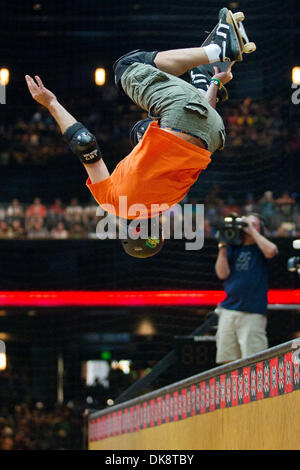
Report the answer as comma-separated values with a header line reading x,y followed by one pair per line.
x,y
261,356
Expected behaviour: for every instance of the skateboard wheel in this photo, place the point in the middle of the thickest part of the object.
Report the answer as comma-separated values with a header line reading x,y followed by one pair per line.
x,y
249,47
239,16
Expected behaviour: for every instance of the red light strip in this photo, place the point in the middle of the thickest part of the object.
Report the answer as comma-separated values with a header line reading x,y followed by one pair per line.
x,y
197,298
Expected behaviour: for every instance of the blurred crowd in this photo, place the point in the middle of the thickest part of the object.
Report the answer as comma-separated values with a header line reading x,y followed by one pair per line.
x,y
25,427
281,214
256,125
32,136
79,221
26,424
35,425
55,221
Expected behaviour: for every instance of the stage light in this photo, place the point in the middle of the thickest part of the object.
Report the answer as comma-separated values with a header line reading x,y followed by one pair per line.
x,y
296,244
100,76
2,355
106,355
4,77
296,75
145,328
2,361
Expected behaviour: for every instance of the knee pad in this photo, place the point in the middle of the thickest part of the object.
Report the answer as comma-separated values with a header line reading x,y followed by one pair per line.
x,y
138,55
138,130
124,58
121,65
82,143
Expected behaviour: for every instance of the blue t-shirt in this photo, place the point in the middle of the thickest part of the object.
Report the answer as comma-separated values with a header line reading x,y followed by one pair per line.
x,y
247,285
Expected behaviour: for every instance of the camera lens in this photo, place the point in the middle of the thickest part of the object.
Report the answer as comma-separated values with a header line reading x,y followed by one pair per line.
x,y
229,234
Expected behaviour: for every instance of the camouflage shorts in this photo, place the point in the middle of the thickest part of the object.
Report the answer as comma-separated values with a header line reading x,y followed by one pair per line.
x,y
174,102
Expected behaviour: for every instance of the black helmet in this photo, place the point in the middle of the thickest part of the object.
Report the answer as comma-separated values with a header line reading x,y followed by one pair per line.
x,y
138,130
144,246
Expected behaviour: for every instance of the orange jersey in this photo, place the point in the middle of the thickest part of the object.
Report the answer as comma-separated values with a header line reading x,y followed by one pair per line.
x,y
158,172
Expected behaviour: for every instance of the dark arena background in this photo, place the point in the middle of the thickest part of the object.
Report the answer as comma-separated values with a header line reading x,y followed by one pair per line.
x,y
102,351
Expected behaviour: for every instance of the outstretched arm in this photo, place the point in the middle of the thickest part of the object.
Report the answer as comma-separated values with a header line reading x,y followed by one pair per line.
x,y
46,98
84,145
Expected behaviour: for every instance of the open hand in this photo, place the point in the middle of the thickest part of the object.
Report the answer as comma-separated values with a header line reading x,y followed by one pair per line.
x,y
38,92
224,77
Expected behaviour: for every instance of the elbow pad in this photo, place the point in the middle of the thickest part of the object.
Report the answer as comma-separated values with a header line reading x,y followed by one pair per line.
x,y
82,143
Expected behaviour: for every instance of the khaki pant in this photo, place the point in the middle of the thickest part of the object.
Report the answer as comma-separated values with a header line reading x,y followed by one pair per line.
x,y
176,103
239,334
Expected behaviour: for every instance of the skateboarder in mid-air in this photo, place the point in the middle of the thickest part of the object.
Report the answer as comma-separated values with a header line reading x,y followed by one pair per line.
x,y
173,146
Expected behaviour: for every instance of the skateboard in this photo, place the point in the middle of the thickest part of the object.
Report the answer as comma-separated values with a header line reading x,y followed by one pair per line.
x,y
245,46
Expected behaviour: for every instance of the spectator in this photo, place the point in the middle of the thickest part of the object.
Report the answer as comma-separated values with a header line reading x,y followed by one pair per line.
x,y
5,230
91,208
37,230
287,229
55,214
285,219
15,210
18,231
250,205
268,208
57,208
285,199
242,315
59,232
36,209
2,213
6,443
78,232
74,207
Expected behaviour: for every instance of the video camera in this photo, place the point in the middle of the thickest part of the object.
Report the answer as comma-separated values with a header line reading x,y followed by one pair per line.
x,y
231,230
293,263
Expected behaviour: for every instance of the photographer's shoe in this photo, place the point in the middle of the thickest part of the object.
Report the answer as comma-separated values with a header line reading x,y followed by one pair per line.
x,y
200,78
226,37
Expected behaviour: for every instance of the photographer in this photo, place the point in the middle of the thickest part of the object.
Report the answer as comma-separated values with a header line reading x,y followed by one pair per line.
x,y
244,269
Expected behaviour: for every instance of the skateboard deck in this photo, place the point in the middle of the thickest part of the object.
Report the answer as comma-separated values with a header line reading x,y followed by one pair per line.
x,y
245,46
